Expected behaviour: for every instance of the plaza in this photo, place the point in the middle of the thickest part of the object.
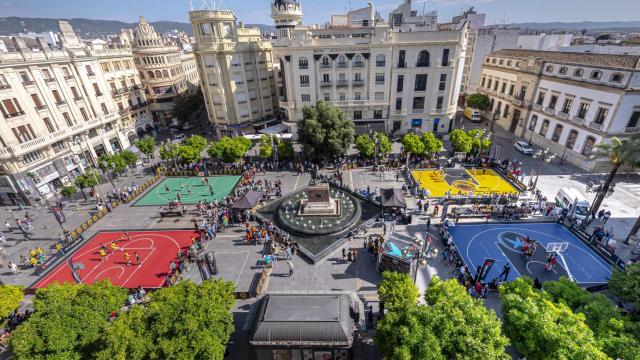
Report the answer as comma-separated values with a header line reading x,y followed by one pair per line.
x,y
192,190
462,181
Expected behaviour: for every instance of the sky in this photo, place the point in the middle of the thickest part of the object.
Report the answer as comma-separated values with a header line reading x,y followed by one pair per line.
x,y
319,11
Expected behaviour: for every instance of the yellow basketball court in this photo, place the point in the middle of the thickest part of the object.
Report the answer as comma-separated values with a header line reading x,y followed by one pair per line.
x,y
462,181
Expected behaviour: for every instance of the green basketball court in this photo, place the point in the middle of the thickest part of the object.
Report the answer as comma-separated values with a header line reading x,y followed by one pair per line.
x,y
191,189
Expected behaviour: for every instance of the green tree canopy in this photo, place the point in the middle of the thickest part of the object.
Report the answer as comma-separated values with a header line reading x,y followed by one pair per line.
x,y
325,131
68,191
67,322
384,144
412,144
229,149
147,145
197,142
170,152
10,298
129,158
285,147
285,150
478,101
114,163
478,138
461,141
542,329
186,104
626,284
365,145
432,145
89,179
397,290
189,154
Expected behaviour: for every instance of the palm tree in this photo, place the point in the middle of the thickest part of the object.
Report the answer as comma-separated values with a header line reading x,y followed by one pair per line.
x,y
619,152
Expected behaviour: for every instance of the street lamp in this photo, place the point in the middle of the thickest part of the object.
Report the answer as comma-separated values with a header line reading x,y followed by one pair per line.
x,y
496,117
420,257
546,156
77,140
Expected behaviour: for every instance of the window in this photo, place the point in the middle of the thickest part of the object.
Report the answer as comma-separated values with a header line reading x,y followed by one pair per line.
x,y
36,101
578,72
400,85
506,111
635,118
582,112
105,67
96,88
48,125
380,60
544,128
511,89
571,139
306,98
416,123
443,82
533,123
26,80
557,133
342,62
104,108
304,80
587,148
616,78
563,70
379,79
377,114
303,63
522,94
553,101
503,88
65,71
418,103
24,133
33,156
501,62
489,84
601,115
11,108
423,59
327,97
566,108
205,28
399,106
549,68
596,75
379,96
358,96
540,98
421,82
445,57
67,119
401,59
325,61
439,102
357,115
89,70
482,82
46,74
83,112
56,95
342,96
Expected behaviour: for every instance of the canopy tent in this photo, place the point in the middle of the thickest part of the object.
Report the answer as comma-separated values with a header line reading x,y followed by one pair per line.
x,y
274,130
249,200
393,198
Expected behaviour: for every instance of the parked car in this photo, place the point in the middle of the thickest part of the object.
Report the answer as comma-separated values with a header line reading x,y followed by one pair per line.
x,y
523,147
178,138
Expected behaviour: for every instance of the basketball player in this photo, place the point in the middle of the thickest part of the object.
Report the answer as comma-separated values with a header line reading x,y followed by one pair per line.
x,y
127,258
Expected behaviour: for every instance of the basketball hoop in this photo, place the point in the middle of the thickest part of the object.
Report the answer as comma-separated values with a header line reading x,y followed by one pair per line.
x,y
559,249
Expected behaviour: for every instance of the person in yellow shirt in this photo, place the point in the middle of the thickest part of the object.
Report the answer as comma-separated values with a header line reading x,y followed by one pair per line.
x,y
114,246
127,258
103,254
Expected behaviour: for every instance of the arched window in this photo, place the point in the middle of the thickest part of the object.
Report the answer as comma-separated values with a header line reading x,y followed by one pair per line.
x,y
616,78
533,122
596,75
587,148
326,62
557,132
303,63
165,73
509,63
423,59
544,128
563,70
150,75
380,60
549,68
357,61
158,74
342,61
571,139
578,72
501,62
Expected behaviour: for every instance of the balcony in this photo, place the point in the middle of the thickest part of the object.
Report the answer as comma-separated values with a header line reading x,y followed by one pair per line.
x,y
91,73
537,107
41,107
15,114
98,94
595,126
550,110
124,111
417,111
304,85
5,86
379,82
381,64
78,98
402,65
342,65
342,83
516,102
358,83
68,77
325,66
61,102
578,120
303,67
326,84
359,64
50,80
632,130
562,115
28,82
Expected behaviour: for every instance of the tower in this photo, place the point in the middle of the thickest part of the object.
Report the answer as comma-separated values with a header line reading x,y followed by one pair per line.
x,y
286,14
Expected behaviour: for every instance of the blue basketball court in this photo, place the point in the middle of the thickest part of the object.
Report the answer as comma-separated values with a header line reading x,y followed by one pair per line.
x,y
503,242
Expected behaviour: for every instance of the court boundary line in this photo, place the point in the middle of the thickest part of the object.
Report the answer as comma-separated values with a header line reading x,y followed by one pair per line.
x,y
158,183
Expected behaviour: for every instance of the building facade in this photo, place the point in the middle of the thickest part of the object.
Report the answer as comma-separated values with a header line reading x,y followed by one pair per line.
x,y
165,70
58,113
236,67
386,78
568,102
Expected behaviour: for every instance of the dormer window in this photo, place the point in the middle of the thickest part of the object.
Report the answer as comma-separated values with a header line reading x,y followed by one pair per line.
x,y
549,68
596,75
616,78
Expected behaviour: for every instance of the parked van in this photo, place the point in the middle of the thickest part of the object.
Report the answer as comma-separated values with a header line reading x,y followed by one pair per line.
x,y
567,197
472,114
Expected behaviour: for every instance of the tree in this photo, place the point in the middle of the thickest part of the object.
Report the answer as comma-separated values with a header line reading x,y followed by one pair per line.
x,y
197,142
69,191
397,290
460,141
147,145
619,153
384,144
189,154
478,101
10,298
626,284
89,179
68,321
412,145
325,131
542,329
230,149
186,321
186,104
266,146
432,145
365,145
479,140
114,164
129,158
170,152
285,150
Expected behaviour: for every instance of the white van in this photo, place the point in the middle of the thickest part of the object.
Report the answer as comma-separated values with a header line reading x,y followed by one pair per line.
x,y
567,197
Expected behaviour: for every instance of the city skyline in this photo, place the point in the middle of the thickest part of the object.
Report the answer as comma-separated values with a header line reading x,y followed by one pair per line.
x,y
257,11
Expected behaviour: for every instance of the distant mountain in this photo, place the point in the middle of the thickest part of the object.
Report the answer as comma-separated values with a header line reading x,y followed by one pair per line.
x,y
588,25
94,28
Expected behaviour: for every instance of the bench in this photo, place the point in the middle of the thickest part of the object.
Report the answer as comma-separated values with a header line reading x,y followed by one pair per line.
x,y
170,213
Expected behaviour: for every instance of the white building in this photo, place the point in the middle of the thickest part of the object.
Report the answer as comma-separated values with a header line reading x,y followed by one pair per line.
x,y
571,101
386,78
603,49
544,41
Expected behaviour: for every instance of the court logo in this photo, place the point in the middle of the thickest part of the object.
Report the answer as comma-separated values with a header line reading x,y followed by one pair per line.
x,y
512,240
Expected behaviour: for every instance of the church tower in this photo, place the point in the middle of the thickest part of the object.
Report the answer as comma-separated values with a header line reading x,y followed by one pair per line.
x,y
286,14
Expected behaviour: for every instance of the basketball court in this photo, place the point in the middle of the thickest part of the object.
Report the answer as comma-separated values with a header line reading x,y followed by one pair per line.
x,y
504,243
191,189
456,181
154,248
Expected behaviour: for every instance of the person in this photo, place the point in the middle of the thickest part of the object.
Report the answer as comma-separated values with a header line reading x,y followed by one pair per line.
x,y
13,267
505,272
3,239
290,268
7,225
551,262
537,284
166,188
114,246
344,254
607,215
127,258
103,254
354,255
349,256
137,258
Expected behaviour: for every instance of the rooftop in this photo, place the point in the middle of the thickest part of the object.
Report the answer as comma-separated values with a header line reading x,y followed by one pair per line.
x,y
599,60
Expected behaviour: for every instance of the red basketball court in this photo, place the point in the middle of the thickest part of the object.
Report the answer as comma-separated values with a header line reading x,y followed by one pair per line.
x,y
155,249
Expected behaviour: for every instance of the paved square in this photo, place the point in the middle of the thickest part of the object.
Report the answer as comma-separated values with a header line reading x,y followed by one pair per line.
x,y
191,189
480,181
503,242
155,249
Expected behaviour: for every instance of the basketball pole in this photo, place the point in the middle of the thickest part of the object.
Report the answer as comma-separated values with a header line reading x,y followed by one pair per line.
x,y
564,263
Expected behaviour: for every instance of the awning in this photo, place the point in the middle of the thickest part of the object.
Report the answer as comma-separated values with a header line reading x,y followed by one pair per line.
x,y
393,198
249,200
274,130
